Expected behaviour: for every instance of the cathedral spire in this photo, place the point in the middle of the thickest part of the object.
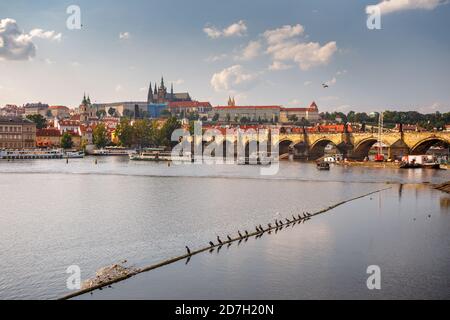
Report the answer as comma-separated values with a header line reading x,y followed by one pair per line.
x,y
150,94
156,89
162,83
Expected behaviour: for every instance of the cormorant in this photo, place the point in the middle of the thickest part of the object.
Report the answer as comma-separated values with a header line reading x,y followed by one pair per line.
x,y
294,217
211,244
229,238
299,217
240,235
246,233
276,223
262,230
288,221
218,240
188,250
270,226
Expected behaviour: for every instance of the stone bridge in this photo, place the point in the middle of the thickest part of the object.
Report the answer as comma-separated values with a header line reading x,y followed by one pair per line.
x,y
357,145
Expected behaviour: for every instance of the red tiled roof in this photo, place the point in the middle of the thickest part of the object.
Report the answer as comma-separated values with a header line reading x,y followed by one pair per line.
x,y
246,107
48,133
58,108
189,104
70,123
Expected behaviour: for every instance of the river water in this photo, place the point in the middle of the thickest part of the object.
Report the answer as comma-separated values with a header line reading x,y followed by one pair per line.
x,y
54,215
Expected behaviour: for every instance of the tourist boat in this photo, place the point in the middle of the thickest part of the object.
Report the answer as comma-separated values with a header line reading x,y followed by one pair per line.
x,y
31,154
157,155
74,154
113,151
323,165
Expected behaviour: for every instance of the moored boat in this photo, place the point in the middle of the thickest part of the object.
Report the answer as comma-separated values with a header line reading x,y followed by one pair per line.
x,y
31,154
74,154
323,165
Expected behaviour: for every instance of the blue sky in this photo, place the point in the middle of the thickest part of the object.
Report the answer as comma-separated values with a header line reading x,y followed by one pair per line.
x,y
292,48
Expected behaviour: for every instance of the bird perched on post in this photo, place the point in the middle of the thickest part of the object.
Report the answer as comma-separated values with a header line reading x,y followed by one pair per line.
x,y
261,228
276,222
229,238
188,250
270,226
246,233
211,244
218,240
299,217
288,221
240,235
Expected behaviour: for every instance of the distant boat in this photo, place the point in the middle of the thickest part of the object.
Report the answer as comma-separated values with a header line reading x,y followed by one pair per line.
x,y
158,155
74,154
112,151
31,154
323,166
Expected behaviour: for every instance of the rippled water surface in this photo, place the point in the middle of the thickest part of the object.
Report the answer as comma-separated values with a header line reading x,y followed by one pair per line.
x,y
53,215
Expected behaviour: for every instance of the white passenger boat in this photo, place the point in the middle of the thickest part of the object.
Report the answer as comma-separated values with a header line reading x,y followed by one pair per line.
x,y
158,154
113,151
31,154
74,154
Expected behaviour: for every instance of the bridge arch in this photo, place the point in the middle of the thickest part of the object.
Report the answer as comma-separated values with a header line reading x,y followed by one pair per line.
x,y
284,147
317,150
362,149
424,145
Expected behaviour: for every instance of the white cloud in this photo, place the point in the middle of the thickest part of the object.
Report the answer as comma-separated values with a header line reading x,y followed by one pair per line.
x,y
232,78
389,6
124,35
281,34
119,88
18,45
235,30
250,51
278,66
47,35
284,45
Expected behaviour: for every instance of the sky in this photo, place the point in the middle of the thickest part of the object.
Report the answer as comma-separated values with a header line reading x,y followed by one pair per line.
x,y
261,52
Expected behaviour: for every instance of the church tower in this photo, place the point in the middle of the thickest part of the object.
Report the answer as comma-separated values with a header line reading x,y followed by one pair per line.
x,y
150,94
162,92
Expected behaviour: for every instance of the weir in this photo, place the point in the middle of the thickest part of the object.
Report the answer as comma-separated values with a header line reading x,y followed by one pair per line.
x,y
255,234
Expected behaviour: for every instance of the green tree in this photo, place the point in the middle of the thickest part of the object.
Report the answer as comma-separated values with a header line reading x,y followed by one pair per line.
x,y
40,121
216,117
125,132
100,136
143,131
66,141
166,131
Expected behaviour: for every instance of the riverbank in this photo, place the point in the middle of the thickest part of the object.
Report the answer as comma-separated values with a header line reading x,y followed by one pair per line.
x,y
370,164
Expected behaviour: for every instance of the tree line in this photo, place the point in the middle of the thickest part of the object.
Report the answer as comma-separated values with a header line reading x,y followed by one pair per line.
x,y
139,133
429,121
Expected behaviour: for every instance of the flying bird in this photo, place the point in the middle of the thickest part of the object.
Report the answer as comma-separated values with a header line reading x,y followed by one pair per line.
x,y
324,85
